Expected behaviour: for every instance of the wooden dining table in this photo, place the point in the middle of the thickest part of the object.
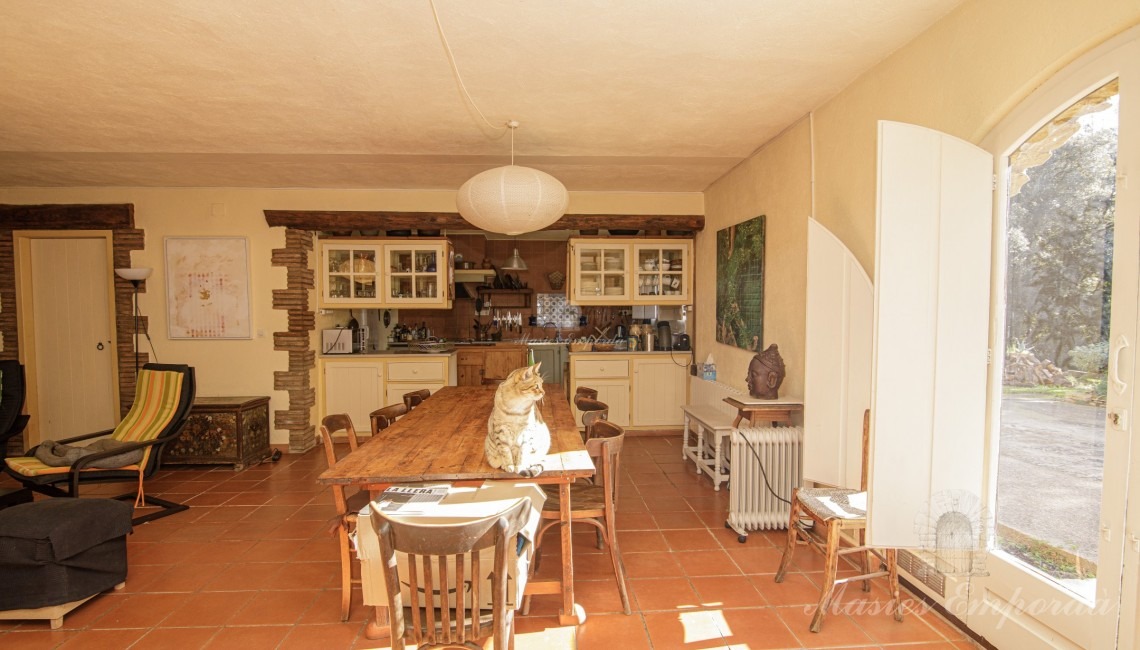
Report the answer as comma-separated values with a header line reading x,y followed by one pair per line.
x,y
441,440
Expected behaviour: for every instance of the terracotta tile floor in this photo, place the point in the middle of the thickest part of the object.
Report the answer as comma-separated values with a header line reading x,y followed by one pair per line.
x,y
251,565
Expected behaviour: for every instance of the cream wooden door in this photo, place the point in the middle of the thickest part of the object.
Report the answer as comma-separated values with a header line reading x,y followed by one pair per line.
x,y
353,387
70,352
614,393
659,387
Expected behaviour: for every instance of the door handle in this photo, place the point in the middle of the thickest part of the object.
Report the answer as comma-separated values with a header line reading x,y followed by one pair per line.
x,y
1118,384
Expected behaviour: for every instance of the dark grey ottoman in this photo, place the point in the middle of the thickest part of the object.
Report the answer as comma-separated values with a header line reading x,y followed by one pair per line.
x,y
55,554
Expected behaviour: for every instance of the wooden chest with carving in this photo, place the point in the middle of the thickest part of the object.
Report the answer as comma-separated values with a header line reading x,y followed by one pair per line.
x,y
223,430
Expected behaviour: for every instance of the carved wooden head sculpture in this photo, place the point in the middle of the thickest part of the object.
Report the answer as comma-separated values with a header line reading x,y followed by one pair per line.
x,y
766,373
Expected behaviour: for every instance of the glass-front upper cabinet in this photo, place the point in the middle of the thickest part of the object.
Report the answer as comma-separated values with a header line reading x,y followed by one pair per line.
x,y
599,272
349,273
417,273
663,272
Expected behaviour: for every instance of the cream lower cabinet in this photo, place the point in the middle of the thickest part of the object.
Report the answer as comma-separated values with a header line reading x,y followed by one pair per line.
x,y
360,386
352,387
609,375
659,388
642,391
407,376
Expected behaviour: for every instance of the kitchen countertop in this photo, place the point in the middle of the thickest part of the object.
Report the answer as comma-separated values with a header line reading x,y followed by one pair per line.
x,y
675,353
388,353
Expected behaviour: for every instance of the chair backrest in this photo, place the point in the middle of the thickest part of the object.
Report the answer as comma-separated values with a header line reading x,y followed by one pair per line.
x,y
416,397
605,446
12,393
382,418
585,391
592,411
436,552
164,395
330,424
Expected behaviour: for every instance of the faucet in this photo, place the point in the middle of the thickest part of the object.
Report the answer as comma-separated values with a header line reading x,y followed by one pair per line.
x,y
558,330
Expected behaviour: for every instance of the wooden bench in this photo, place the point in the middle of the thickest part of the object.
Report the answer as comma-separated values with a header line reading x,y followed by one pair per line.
x,y
705,426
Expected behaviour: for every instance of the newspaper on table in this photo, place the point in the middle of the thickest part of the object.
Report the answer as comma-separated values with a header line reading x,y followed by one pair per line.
x,y
410,500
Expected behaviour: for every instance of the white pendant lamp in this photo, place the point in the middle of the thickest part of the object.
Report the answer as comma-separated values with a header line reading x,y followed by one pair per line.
x,y
512,200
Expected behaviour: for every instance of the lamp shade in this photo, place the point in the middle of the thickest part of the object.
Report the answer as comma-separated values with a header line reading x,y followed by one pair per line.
x,y
512,200
514,262
134,274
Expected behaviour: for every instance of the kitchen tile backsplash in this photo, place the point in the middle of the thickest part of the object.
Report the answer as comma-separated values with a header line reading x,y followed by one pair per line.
x,y
556,308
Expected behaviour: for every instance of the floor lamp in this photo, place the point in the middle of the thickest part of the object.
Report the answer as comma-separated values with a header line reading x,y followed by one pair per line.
x,y
135,276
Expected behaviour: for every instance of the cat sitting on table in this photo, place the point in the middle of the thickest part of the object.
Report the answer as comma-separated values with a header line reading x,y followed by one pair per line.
x,y
517,437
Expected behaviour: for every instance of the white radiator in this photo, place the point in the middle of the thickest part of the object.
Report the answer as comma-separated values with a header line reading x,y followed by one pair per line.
x,y
751,506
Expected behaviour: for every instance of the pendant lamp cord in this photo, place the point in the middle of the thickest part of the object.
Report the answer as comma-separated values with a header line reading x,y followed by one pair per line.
x,y
512,125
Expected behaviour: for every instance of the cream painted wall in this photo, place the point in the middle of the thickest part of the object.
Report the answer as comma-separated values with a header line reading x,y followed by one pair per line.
x,y
246,367
774,182
961,76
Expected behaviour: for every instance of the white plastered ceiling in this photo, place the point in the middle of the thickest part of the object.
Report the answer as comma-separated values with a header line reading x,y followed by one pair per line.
x,y
634,95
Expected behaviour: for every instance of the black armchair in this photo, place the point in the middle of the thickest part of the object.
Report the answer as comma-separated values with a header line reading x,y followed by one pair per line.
x,y
12,392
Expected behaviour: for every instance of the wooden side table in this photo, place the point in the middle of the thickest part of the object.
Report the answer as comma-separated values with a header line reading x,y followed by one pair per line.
x,y
776,411
223,430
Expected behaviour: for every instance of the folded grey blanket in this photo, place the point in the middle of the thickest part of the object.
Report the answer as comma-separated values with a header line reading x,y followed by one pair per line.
x,y
55,454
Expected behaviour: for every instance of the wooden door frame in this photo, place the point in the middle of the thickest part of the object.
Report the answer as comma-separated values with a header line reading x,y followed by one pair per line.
x,y
117,218
26,330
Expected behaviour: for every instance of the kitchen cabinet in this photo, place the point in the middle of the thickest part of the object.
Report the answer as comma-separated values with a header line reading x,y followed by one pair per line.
x,y
488,364
385,273
353,387
361,385
418,274
553,358
607,374
599,272
643,390
659,388
500,361
349,273
662,274
631,271
469,367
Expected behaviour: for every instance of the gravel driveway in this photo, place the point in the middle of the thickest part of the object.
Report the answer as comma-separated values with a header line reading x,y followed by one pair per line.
x,y
1050,471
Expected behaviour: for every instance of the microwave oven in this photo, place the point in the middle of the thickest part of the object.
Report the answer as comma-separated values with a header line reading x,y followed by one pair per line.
x,y
344,341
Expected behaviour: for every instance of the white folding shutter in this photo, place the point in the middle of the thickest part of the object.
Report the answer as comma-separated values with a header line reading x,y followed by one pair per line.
x,y
837,372
932,277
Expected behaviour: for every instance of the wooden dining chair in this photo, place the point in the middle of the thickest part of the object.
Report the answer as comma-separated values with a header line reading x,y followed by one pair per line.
x,y
594,504
442,560
382,418
592,411
813,511
416,397
347,506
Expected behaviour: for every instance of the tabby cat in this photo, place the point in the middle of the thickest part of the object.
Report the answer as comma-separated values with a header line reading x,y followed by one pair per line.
x,y
517,438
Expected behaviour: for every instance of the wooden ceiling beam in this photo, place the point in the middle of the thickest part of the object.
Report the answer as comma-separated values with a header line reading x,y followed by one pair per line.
x,y
111,216
360,220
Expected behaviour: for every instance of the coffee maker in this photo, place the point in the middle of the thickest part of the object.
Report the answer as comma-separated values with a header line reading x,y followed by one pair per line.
x,y
664,335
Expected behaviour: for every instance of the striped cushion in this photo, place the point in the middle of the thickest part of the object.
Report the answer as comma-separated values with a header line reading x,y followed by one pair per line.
x,y
156,401
30,466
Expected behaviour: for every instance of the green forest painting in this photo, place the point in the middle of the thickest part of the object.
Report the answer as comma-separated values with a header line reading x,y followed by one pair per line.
x,y
740,284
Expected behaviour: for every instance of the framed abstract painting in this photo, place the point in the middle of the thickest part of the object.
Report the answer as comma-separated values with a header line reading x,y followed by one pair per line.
x,y
207,288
